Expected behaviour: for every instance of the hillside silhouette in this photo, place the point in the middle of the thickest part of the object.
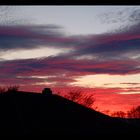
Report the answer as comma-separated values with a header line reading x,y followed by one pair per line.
x,y
27,113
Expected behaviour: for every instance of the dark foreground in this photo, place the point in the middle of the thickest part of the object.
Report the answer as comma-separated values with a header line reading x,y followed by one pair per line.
x,y
23,113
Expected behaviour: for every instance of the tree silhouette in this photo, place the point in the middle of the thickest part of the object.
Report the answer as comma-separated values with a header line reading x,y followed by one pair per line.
x,y
12,89
119,114
74,95
134,112
89,100
84,99
9,89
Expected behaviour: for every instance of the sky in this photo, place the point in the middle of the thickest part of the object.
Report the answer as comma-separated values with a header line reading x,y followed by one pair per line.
x,y
94,48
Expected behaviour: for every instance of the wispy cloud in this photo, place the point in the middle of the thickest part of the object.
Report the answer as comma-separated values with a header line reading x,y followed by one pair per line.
x,y
130,15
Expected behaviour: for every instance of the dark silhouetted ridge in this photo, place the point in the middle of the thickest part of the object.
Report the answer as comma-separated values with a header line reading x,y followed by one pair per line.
x,y
23,113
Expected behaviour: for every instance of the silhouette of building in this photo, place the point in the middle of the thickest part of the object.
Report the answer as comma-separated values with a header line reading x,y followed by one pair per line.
x,y
47,91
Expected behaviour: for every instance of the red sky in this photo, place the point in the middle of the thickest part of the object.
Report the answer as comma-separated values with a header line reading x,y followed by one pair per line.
x,y
105,98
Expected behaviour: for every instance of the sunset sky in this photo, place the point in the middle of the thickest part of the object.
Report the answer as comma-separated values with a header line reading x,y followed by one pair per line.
x,y
94,48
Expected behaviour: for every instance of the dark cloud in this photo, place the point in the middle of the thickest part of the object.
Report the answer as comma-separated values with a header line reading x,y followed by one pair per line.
x,y
28,37
112,50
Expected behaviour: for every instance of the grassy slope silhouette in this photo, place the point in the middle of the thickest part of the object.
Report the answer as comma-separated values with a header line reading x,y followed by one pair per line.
x,y
25,113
